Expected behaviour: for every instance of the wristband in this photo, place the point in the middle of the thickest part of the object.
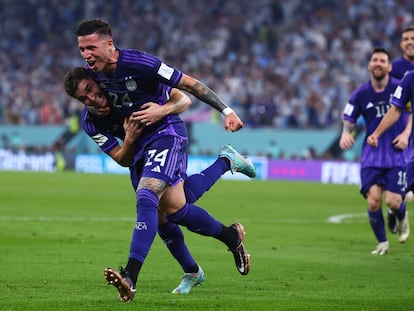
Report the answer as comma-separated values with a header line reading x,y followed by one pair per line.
x,y
226,111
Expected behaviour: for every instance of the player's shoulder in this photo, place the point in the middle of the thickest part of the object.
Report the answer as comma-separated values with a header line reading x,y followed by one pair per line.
x,y
398,60
137,57
394,81
362,89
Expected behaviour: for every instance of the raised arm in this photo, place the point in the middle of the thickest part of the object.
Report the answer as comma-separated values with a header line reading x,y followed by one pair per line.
x,y
231,122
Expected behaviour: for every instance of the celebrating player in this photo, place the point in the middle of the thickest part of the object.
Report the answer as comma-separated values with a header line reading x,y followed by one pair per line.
x,y
132,78
382,169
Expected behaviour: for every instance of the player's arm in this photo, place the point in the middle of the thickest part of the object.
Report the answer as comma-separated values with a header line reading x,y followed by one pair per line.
x,y
402,140
347,139
151,113
392,116
124,155
231,122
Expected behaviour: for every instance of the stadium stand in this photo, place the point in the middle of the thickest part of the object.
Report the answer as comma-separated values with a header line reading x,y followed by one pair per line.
x,y
281,64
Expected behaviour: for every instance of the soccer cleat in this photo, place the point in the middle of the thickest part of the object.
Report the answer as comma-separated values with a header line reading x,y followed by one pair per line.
x,y
403,229
238,163
241,256
189,281
382,249
122,283
392,221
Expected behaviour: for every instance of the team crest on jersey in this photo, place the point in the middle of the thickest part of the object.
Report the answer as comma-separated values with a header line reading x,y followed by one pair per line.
x,y
130,84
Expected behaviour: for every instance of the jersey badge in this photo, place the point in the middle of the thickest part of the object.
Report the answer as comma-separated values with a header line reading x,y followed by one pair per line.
x,y
130,84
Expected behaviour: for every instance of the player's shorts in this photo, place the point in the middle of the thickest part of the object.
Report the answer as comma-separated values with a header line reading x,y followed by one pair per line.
x,y
389,179
410,177
164,158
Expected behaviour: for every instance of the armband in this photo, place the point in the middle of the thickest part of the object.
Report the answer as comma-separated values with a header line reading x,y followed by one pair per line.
x,y
226,111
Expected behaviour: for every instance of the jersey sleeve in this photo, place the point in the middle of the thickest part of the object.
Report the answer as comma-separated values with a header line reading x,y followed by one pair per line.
x,y
352,110
165,73
403,92
104,139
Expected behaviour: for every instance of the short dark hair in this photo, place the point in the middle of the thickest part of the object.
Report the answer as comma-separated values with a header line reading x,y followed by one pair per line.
x,y
91,26
408,28
381,50
73,78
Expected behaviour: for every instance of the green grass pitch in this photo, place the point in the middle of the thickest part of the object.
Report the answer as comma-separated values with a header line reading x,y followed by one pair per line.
x,y
59,231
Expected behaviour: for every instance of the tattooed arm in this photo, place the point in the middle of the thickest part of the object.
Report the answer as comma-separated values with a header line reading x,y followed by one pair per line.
x,y
231,122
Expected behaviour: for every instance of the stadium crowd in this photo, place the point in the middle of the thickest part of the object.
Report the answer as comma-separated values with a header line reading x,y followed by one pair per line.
x,y
281,64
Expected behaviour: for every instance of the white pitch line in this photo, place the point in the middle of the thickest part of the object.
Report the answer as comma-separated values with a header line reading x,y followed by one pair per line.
x,y
337,219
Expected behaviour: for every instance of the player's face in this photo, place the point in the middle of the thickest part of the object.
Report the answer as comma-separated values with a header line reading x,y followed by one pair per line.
x,y
97,50
379,65
407,45
90,94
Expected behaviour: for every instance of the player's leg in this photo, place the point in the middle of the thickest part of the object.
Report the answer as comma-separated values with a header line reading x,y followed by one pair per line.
x,y
143,235
394,198
370,189
150,187
376,219
173,238
228,159
198,220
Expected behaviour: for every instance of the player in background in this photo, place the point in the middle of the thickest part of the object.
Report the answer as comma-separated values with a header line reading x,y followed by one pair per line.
x,y
204,181
383,168
401,66
404,63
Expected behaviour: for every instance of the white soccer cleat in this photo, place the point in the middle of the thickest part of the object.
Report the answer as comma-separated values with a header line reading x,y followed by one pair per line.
x,y
382,248
403,229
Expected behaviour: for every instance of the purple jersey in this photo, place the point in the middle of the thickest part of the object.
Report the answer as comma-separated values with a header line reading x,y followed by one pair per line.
x,y
140,78
400,66
103,130
373,106
403,94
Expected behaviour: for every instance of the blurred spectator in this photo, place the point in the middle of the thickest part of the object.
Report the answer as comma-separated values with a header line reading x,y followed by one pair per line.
x,y
281,64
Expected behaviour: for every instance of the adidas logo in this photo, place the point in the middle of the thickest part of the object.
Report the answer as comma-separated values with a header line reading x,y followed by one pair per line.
x,y
156,169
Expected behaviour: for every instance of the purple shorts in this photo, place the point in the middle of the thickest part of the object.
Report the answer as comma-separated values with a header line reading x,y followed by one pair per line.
x,y
164,158
410,176
389,179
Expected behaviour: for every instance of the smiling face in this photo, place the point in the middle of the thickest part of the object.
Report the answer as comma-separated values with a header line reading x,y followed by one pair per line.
x,y
90,94
98,51
407,45
379,65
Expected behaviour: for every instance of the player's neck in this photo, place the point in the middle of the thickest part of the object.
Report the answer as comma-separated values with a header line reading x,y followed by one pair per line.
x,y
409,58
112,62
379,85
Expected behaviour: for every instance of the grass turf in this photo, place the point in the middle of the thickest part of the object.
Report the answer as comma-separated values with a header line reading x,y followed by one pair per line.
x,y
59,231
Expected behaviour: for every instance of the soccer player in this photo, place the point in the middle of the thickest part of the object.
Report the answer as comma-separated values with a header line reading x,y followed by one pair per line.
x,y
404,63
401,66
382,169
90,94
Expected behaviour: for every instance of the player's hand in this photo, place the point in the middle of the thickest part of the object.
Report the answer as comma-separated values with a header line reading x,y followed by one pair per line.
x,y
132,129
346,141
149,113
372,140
400,142
232,122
